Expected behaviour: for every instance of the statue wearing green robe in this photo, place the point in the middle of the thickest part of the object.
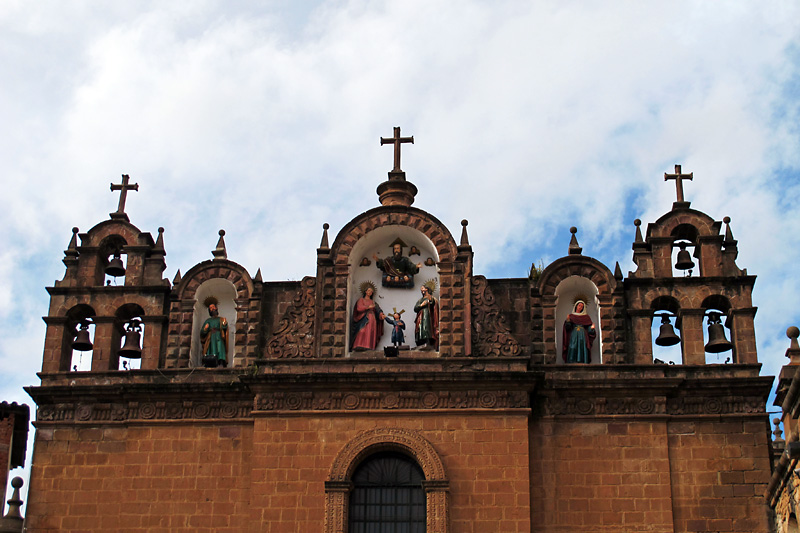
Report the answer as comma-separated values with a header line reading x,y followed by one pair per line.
x,y
214,336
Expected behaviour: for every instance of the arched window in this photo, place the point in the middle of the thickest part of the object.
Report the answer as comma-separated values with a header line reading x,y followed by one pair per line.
x,y
718,346
685,254
569,291
387,495
113,260
665,331
78,342
127,336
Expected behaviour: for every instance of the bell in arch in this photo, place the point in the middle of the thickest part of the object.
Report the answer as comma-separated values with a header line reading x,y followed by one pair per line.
x,y
666,334
684,261
717,342
131,348
115,268
82,342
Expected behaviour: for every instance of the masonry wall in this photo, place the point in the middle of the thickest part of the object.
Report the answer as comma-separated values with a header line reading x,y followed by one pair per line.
x,y
719,470
484,456
648,475
6,434
169,478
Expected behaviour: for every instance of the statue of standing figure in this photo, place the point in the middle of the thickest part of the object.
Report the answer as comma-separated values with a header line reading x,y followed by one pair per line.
x,y
398,270
578,336
214,336
367,326
426,326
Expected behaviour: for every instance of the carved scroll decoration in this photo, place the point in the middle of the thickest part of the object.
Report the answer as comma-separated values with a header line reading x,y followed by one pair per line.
x,y
490,335
294,337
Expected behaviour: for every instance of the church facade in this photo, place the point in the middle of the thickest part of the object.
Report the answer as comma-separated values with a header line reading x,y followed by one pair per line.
x,y
219,401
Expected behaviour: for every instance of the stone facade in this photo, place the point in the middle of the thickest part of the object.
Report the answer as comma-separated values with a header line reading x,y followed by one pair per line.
x,y
508,436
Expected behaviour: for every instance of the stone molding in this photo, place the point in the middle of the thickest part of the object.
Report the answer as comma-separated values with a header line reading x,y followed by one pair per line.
x,y
491,336
408,442
657,405
389,400
144,411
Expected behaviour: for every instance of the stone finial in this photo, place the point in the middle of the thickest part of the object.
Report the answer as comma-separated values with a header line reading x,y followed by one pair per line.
x,y
177,278
793,352
72,247
159,247
464,236
729,240
220,252
324,242
777,433
15,502
258,276
574,247
617,272
638,224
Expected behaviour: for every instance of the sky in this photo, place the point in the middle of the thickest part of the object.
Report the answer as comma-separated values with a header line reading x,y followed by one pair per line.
x,y
264,119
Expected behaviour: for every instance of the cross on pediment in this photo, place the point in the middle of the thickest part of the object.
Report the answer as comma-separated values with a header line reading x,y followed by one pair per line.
x,y
123,187
678,177
397,140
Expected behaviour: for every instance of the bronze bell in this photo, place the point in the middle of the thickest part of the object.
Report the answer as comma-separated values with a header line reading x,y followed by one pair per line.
x,y
684,261
666,335
130,349
115,268
82,342
717,342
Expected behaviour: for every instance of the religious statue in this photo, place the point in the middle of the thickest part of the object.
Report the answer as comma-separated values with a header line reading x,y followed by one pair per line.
x,y
578,335
214,336
398,337
367,325
398,270
426,326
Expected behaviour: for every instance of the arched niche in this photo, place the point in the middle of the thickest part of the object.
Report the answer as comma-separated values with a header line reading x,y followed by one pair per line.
x,y
74,360
720,305
122,317
567,292
363,270
109,247
669,306
685,236
225,293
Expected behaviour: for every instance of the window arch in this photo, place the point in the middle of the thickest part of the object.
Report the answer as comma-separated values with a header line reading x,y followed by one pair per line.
x,y
669,308
80,317
377,442
387,495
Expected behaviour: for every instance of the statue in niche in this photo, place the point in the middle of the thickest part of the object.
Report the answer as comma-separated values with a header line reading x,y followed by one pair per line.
x,y
367,325
214,336
398,337
578,335
398,270
426,325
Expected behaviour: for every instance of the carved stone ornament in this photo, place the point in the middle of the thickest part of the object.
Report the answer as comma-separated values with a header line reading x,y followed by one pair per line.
x,y
411,443
491,336
659,405
294,337
366,400
160,410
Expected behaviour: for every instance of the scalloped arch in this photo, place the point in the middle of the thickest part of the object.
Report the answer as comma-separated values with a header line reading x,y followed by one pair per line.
x,y
215,269
383,216
582,266
405,441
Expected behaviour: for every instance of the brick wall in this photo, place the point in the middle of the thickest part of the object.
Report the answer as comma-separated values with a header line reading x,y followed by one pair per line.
x,y
176,478
654,476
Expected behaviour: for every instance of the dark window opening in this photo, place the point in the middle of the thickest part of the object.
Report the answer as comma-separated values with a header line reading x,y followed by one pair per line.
x,y
387,496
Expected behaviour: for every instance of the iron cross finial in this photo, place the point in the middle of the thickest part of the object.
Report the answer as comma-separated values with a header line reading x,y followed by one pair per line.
x,y
397,140
123,187
678,177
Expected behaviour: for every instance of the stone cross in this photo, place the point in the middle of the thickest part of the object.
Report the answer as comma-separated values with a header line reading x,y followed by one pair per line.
x,y
124,187
678,177
397,140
